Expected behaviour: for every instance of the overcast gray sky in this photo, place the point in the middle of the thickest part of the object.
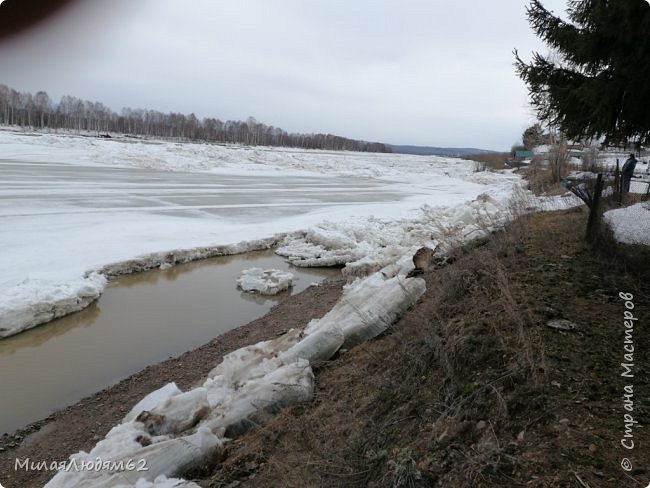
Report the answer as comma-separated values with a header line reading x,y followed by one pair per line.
x,y
424,72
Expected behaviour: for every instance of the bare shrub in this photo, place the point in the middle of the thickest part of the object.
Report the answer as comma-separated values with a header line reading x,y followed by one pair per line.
x,y
520,203
546,171
489,161
590,161
558,160
479,166
539,176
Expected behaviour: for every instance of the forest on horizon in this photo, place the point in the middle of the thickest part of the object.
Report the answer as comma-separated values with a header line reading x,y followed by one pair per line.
x,y
39,111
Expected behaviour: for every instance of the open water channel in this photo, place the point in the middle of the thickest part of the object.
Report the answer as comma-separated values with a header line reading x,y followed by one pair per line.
x,y
139,320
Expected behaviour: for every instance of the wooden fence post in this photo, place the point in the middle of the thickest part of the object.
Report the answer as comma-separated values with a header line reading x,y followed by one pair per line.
x,y
618,184
593,222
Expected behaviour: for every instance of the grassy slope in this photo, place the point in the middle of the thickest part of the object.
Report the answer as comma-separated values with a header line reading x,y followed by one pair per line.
x,y
470,388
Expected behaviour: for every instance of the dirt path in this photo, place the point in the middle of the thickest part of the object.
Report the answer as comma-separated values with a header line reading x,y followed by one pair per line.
x,y
80,426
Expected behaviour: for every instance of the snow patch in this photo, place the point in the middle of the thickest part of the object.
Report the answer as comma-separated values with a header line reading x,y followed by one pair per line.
x,y
631,225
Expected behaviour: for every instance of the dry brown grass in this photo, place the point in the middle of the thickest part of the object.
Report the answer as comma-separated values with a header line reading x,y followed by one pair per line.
x,y
492,161
459,392
541,179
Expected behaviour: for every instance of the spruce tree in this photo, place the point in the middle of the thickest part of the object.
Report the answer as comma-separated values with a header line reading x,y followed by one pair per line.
x,y
596,81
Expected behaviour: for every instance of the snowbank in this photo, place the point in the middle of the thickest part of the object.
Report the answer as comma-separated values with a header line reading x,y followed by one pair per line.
x,y
265,281
365,246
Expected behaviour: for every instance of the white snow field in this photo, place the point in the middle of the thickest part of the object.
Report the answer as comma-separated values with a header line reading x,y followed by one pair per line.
x,y
70,205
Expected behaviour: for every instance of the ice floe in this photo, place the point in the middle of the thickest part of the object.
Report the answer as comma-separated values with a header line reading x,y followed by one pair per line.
x,y
265,281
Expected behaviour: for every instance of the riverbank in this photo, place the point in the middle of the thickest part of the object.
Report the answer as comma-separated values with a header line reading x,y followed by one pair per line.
x,y
470,388
80,426
476,385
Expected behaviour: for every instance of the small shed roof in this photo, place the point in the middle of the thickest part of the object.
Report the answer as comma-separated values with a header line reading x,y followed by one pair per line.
x,y
524,154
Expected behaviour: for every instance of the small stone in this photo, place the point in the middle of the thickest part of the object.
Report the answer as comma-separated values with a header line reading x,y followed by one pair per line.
x,y
443,439
562,426
481,425
560,324
593,448
557,384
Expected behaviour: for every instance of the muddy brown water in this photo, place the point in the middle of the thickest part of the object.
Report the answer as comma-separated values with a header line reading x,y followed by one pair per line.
x,y
139,320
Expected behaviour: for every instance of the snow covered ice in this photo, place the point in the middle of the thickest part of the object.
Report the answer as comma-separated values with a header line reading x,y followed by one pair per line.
x,y
71,205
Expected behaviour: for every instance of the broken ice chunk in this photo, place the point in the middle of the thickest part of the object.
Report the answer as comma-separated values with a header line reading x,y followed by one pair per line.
x,y
265,281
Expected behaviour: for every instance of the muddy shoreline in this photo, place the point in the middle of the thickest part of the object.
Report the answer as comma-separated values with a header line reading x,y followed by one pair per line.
x,y
80,426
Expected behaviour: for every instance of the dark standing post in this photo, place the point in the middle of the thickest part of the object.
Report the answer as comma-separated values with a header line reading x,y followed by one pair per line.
x,y
618,184
594,218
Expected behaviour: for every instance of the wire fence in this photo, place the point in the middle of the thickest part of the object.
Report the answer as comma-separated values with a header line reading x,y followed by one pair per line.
x,y
610,166
624,205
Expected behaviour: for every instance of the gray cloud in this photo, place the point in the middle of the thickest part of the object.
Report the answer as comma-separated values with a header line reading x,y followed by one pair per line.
x,y
411,71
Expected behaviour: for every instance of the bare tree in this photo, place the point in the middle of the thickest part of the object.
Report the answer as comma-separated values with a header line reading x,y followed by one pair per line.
x,y
72,113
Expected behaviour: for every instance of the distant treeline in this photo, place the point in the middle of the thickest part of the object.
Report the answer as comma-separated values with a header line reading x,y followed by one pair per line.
x,y
39,111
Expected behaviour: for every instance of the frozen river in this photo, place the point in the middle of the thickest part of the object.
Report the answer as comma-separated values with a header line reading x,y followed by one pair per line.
x,y
39,190
70,205
59,220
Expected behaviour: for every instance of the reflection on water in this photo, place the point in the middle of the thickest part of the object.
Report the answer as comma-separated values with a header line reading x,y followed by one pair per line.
x,y
139,320
263,299
40,335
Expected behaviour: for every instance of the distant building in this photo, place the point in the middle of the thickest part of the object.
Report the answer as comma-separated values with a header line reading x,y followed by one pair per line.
x,y
520,158
520,155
